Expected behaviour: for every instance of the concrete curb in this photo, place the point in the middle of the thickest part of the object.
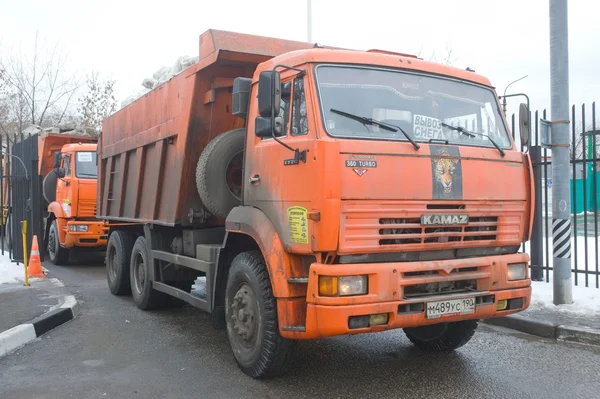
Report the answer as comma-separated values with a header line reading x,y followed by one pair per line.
x,y
22,334
545,329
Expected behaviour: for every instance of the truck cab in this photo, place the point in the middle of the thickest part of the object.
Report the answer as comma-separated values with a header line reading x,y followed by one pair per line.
x,y
394,186
71,220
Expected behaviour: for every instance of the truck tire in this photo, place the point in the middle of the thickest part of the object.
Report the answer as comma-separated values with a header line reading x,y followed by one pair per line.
x,y
219,173
144,296
57,254
443,337
118,257
49,186
251,317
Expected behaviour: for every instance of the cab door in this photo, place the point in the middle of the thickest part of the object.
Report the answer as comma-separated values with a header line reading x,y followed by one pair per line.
x,y
275,182
64,185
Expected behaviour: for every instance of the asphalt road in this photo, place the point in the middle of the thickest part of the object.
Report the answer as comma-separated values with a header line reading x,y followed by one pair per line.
x,y
114,350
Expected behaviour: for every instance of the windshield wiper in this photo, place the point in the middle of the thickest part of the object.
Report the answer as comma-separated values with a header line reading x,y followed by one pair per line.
x,y
370,121
468,133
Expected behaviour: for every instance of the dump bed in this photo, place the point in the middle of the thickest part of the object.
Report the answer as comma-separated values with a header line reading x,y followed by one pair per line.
x,y
149,150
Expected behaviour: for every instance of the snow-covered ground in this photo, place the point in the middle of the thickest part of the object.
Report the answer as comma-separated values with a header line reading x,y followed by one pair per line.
x,y
10,272
586,301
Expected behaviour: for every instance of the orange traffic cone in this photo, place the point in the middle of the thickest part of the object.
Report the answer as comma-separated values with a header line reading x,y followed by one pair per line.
x,y
34,269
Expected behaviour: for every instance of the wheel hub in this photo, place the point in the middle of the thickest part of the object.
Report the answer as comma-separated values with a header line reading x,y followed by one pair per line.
x,y
51,243
244,314
233,175
139,274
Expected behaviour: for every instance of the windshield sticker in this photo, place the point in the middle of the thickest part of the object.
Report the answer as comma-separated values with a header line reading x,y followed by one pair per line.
x,y
426,127
446,171
298,222
84,157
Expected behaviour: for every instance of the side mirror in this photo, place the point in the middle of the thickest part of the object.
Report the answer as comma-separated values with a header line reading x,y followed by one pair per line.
x,y
56,159
265,127
524,127
269,93
61,172
241,97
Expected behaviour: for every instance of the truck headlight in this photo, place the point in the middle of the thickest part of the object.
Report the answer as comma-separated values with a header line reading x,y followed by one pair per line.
x,y
343,286
517,271
78,228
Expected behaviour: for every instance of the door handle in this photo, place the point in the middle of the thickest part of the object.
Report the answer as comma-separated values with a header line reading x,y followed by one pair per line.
x,y
254,179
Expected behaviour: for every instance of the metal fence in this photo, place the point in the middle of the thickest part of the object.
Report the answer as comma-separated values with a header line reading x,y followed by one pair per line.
x,y
21,194
585,197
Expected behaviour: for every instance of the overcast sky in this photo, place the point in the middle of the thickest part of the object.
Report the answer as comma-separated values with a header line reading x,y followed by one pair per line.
x,y
129,40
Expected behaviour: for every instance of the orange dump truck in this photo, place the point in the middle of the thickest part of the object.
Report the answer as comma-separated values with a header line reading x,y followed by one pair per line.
x,y
68,164
317,192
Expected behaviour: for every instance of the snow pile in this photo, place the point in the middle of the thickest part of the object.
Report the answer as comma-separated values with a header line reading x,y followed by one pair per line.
x,y
586,301
10,272
161,76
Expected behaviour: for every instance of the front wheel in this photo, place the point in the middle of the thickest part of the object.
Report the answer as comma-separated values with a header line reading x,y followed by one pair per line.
x,y
58,255
442,337
251,316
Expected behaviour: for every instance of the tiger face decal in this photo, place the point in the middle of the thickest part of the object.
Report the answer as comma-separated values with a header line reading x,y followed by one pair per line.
x,y
446,172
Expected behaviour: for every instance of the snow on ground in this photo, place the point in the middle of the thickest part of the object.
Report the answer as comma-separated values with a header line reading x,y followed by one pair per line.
x,y
586,301
9,271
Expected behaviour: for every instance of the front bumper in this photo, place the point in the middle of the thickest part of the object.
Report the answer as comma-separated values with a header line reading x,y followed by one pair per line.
x,y
388,284
96,236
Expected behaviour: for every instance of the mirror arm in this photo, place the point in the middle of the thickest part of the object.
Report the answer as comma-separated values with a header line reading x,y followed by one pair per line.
x,y
504,97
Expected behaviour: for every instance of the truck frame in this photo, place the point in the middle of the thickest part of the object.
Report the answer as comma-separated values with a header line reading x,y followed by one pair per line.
x,y
306,213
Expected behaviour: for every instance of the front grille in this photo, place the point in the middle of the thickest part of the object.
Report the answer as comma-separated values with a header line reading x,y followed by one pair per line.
x,y
410,231
395,226
439,288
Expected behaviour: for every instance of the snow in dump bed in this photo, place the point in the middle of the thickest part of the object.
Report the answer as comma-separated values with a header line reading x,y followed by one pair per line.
x,y
9,271
161,76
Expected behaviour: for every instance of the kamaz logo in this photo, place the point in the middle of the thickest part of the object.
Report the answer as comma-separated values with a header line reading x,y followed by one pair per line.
x,y
444,220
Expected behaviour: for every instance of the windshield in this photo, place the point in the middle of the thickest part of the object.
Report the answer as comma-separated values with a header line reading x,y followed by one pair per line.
x,y
420,105
85,165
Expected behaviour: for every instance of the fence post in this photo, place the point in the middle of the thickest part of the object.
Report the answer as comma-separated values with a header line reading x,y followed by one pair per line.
x,y
537,233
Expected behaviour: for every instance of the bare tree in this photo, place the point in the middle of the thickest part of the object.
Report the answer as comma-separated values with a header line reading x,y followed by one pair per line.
x,y
446,57
98,102
37,88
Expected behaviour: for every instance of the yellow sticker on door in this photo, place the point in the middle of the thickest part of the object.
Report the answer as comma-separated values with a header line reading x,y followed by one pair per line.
x,y
298,222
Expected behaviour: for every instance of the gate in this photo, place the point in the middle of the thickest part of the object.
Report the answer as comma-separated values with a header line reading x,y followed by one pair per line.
x,y
21,194
585,197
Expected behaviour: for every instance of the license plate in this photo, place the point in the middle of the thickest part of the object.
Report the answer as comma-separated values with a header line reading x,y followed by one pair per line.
x,y
450,307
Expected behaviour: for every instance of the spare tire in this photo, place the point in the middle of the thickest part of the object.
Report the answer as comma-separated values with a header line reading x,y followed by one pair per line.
x,y
220,171
49,186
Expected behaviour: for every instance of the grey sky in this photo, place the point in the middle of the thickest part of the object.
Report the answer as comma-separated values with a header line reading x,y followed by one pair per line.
x,y
129,40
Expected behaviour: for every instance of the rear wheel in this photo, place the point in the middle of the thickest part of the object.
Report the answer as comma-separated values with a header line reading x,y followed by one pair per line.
x,y
118,256
443,337
251,316
144,296
57,254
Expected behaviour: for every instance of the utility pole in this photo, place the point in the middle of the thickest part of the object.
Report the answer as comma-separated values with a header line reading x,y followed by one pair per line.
x,y
309,20
561,201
